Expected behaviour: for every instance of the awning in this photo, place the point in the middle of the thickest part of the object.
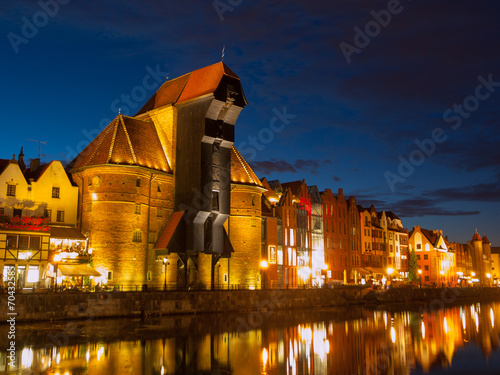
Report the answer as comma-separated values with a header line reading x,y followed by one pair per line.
x,y
361,270
77,270
66,233
168,231
376,271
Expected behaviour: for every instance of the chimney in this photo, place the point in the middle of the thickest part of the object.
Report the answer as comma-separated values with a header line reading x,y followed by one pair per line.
x,y
341,191
35,164
22,166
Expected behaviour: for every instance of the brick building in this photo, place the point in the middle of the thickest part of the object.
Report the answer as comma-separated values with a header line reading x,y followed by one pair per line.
x,y
167,185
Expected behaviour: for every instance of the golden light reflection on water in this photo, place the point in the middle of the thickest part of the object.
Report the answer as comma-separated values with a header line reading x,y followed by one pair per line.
x,y
373,342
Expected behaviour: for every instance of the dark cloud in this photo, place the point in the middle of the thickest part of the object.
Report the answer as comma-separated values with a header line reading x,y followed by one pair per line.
x,y
336,179
476,193
281,166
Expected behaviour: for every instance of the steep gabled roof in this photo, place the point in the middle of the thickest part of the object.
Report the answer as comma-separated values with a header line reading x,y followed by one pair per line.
x,y
294,187
241,173
37,173
125,141
189,86
486,240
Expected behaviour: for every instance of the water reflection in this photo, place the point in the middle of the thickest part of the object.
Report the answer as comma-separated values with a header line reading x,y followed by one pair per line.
x,y
361,341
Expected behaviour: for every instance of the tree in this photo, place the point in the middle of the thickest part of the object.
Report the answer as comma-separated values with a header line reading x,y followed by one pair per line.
x,y
413,266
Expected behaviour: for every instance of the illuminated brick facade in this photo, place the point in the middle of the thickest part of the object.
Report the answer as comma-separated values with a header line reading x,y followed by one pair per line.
x,y
163,184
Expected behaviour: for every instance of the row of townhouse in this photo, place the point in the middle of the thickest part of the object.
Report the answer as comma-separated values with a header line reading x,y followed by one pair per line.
x,y
38,216
312,238
441,262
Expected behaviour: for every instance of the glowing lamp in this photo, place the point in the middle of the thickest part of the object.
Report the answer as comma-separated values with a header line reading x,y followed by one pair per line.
x,y
263,263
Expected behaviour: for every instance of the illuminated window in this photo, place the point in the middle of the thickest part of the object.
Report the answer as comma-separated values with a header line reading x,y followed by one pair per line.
x,y
33,274
292,238
289,256
280,256
137,236
55,192
11,190
60,216
294,257
138,209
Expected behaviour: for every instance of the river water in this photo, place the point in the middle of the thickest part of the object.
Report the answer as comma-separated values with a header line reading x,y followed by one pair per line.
x,y
460,339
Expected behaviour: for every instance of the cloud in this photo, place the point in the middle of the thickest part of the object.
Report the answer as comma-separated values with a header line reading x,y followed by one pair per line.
x,y
281,166
336,179
477,193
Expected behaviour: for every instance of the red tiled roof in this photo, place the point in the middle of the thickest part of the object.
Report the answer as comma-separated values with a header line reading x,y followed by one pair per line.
x,y
485,239
476,237
189,86
169,230
127,141
241,173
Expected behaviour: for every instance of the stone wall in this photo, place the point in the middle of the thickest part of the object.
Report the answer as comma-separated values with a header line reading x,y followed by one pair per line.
x,y
39,307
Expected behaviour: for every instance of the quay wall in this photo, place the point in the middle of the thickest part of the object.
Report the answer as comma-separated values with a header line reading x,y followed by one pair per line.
x,y
59,306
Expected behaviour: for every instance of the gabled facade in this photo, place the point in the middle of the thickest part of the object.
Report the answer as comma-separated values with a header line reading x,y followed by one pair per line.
x,y
34,202
435,259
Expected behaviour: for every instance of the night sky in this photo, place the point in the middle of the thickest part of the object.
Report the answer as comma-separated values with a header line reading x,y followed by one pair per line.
x,y
395,102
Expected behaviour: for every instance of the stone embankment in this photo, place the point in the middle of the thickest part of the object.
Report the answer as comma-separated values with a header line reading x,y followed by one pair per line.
x,y
58,306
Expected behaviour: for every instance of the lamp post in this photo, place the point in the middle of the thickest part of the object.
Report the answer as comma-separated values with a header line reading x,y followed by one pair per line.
x,y
166,262
420,277
263,265
57,259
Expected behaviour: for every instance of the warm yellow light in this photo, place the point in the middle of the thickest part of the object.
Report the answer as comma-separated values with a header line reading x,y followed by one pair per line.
x,y
423,329
87,356
57,258
441,272
94,196
488,275
393,335
264,357
162,370
263,263
390,270
325,266
419,272
473,274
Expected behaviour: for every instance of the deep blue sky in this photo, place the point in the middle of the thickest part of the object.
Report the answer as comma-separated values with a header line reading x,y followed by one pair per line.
x,y
352,117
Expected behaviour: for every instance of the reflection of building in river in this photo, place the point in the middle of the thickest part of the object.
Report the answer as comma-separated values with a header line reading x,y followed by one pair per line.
x,y
376,343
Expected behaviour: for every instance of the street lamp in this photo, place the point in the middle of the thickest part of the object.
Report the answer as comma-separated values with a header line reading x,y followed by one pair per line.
x,y
57,259
420,277
166,262
263,265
